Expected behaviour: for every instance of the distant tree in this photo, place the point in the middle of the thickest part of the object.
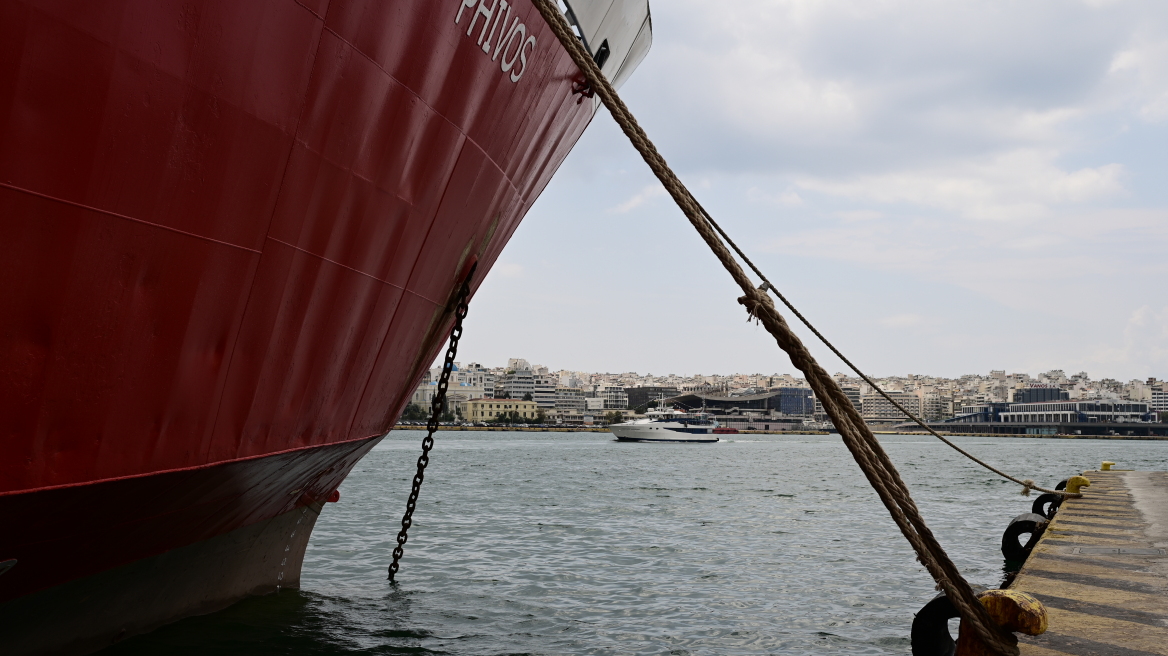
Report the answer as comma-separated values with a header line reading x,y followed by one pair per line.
x,y
509,417
650,405
540,416
503,395
527,396
613,417
1164,417
414,412
447,416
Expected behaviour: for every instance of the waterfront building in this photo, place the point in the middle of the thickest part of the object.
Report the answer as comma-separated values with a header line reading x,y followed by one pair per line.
x,y
639,397
793,401
974,413
465,383
786,401
876,409
853,394
475,374
544,390
850,391
516,383
569,400
615,397
1071,412
487,409
935,406
1039,394
566,416
1160,398
704,388
424,393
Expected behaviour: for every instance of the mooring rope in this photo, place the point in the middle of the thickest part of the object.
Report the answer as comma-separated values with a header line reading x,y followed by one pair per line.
x,y
866,450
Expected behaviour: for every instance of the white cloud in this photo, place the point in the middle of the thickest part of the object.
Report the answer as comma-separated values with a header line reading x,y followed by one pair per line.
x,y
902,320
860,215
508,269
1022,184
786,198
640,198
1074,258
1144,346
1141,75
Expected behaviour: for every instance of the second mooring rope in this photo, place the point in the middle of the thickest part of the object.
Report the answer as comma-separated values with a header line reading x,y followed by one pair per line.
x,y
866,450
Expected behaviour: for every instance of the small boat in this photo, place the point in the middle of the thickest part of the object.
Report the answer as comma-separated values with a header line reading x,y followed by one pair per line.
x,y
668,426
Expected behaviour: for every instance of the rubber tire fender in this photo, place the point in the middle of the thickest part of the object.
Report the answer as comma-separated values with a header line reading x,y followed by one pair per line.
x,y
1062,485
1031,523
1046,505
930,628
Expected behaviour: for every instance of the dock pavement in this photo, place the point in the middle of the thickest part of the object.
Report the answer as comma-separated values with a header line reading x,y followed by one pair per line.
x,y
1101,570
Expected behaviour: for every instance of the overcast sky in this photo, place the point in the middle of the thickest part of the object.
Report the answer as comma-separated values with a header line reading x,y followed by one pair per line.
x,y
943,187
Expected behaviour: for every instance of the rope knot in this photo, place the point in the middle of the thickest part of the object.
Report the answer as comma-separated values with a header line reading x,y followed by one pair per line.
x,y
1027,485
752,304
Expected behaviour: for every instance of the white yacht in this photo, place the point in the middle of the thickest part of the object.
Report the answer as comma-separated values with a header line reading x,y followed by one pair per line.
x,y
667,426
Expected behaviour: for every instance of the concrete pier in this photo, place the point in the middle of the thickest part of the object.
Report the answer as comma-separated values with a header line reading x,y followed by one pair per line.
x,y
1101,570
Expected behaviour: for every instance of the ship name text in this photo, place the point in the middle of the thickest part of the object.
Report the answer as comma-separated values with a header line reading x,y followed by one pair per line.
x,y
496,37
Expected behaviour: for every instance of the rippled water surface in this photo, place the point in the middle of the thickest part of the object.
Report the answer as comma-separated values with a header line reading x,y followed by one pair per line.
x,y
571,543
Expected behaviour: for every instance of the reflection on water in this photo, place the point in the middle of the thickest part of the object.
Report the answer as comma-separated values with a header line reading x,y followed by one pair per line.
x,y
558,543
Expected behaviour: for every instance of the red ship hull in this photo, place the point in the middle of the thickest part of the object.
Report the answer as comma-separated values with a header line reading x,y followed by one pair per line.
x,y
231,232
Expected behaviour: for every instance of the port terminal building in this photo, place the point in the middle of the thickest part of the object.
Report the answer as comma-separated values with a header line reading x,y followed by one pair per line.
x,y
1056,417
778,409
784,401
1074,412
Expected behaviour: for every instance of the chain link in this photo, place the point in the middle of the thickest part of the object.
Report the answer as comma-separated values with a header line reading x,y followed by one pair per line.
x,y
436,406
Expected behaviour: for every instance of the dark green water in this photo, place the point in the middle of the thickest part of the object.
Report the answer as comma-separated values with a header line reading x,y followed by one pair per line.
x,y
560,543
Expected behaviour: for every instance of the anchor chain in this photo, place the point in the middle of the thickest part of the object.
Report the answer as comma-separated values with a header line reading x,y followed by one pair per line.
x,y
436,405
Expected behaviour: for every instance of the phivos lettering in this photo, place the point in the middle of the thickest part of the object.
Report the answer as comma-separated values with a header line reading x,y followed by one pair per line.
x,y
496,36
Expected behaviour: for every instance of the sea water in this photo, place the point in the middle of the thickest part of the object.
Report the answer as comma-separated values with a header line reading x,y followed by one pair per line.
x,y
572,543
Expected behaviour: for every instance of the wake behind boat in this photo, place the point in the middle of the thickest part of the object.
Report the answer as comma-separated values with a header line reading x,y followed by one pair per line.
x,y
667,426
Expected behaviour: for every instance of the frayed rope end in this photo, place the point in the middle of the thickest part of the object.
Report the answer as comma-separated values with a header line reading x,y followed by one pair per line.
x,y
1026,485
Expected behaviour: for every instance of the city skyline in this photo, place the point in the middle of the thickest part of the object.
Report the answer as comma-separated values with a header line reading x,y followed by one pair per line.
x,y
776,401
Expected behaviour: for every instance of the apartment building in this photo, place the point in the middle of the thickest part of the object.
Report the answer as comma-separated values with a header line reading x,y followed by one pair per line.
x,y
570,399
516,383
488,409
874,408
544,390
1159,401
850,391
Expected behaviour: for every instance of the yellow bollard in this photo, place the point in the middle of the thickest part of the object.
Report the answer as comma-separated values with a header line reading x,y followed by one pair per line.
x,y
1074,484
1011,610
1107,465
